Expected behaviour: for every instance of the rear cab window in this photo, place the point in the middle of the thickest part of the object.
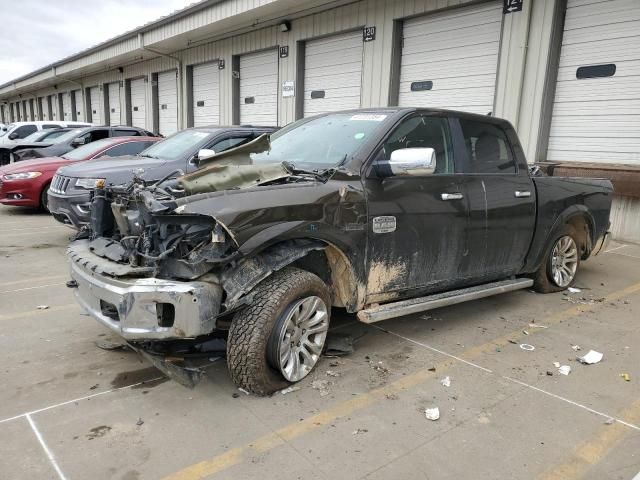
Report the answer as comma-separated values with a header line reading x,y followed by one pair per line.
x,y
487,149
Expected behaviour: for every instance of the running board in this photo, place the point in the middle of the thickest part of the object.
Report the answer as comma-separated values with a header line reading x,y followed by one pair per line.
x,y
421,304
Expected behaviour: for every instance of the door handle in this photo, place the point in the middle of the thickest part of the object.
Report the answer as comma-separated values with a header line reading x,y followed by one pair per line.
x,y
451,196
522,194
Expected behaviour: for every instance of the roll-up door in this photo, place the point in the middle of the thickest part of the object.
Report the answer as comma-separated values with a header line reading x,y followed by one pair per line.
x,y
259,88
138,103
66,107
450,59
333,73
95,99
206,94
167,103
77,98
42,108
114,103
596,110
54,106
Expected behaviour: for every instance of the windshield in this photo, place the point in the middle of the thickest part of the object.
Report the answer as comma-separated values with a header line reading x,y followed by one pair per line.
x,y
176,146
321,143
68,135
87,151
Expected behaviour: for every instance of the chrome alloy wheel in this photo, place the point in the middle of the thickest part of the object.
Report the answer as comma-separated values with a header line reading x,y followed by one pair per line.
x,y
302,337
564,261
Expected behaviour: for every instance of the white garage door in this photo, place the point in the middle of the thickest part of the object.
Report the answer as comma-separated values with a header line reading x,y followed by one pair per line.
x,y
333,73
77,95
167,103
450,59
43,109
596,111
114,104
54,107
138,103
66,107
95,97
206,94
259,88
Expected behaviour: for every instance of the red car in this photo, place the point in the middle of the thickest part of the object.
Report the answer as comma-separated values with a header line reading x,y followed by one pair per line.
x,y
26,183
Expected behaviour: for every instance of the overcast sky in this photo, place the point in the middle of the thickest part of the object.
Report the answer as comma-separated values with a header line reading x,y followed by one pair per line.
x,y
35,33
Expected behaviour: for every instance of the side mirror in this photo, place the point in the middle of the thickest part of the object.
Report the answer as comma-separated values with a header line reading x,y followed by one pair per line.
x,y
13,136
79,141
203,154
408,161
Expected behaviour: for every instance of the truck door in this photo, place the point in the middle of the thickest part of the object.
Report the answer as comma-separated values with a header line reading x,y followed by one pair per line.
x,y
501,199
416,223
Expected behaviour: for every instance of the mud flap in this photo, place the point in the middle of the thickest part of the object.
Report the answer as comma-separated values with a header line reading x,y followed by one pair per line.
x,y
186,376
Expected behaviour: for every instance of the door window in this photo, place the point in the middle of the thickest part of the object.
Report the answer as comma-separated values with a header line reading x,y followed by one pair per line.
x,y
422,132
23,131
228,143
94,135
129,148
125,133
487,149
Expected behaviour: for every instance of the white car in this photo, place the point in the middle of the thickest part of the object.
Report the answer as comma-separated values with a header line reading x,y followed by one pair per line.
x,y
14,132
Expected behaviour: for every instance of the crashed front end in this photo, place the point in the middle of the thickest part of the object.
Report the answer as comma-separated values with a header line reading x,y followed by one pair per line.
x,y
144,271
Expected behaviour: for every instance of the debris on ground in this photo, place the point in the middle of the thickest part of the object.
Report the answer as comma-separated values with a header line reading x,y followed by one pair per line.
x,y
235,395
291,389
391,396
610,421
339,345
322,386
549,373
359,431
625,377
574,290
380,368
71,284
535,325
591,357
432,369
97,432
527,347
93,387
42,307
446,382
513,341
109,345
564,370
432,413
246,392
332,373
556,364
575,347
525,332
336,363
139,422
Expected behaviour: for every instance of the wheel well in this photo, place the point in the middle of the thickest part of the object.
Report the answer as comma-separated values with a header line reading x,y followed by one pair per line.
x,y
583,229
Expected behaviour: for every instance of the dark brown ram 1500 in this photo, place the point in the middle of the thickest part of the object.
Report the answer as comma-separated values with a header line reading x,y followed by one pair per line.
x,y
384,212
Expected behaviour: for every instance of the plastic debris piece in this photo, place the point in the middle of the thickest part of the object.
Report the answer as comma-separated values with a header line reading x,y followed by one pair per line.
x,y
575,347
292,388
446,381
42,307
359,431
556,364
535,325
243,391
139,422
332,373
525,332
513,341
549,373
564,370
574,290
625,377
498,349
527,347
591,357
432,413
610,421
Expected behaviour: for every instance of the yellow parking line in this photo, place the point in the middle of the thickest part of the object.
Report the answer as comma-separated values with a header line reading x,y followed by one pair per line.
x,y
594,450
272,440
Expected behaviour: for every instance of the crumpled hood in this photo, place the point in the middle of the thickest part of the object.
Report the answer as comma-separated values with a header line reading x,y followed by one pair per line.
x,y
118,170
233,169
39,164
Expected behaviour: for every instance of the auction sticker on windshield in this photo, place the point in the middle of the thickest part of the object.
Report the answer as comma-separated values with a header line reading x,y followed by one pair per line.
x,y
368,117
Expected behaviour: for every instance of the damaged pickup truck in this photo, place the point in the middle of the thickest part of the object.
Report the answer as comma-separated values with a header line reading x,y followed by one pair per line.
x,y
383,212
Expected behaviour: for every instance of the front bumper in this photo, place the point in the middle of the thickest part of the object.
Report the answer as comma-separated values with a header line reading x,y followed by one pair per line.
x,y
70,210
22,193
141,309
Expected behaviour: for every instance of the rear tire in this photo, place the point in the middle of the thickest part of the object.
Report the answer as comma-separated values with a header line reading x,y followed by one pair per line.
x,y
258,331
561,262
44,199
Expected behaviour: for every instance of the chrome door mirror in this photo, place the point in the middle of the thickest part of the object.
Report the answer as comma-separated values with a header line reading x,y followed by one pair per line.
x,y
408,161
205,153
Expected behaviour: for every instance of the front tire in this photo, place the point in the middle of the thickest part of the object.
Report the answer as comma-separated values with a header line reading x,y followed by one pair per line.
x,y
561,262
44,199
278,338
